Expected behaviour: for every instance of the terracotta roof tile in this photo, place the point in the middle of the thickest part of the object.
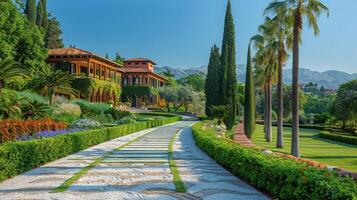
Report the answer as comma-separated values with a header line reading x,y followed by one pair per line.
x,y
139,60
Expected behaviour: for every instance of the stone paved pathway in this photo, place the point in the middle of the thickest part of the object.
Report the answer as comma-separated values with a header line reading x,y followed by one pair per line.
x,y
140,170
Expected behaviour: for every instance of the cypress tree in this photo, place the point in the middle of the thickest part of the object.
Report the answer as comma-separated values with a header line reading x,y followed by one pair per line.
x,y
249,99
106,56
44,15
212,83
228,62
30,11
39,14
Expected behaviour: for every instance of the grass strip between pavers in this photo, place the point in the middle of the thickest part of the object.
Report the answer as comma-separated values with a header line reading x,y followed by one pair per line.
x,y
179,185
64,186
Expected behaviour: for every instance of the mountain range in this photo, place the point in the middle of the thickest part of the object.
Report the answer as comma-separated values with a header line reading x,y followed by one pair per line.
x,y
329,79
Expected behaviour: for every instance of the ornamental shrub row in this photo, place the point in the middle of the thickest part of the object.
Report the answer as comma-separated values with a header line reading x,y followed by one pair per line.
x,y
20,156
12,129
282,178
340,138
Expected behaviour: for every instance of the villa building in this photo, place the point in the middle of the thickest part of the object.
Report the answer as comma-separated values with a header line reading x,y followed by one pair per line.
x,y
102,80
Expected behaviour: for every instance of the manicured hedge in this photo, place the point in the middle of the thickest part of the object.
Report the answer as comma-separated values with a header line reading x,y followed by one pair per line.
x,y
306,126
18,157
340,138
281,177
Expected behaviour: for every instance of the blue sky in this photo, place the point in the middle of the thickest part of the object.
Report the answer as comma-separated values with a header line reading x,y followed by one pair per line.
x,y
180,33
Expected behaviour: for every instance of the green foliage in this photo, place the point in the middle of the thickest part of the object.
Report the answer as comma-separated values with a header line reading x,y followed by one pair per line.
x,y
139,90
345,106
318,104
39,14
249,100
10,105
45,14
336,137
282,178
10,69
118,114
177,96
118,59
21,156
220,112
35,110
323,118
195,81
50,83
30,11
91,108
228,62
53,37
31,96
65,117
213,80
86,86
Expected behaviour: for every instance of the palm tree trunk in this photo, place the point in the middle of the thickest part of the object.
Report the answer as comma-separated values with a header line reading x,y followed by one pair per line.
x,y
295,151
265,109
279,138
269,113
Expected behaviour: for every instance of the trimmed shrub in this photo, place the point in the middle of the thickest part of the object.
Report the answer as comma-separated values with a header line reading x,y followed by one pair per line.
x,y
20,156
283,178
118,114
341,138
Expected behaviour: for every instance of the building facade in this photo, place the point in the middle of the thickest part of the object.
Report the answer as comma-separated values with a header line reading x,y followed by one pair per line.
x,y
102,80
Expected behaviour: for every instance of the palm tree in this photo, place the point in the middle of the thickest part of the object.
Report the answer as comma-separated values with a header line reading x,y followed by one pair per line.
x,y
266,66
301,10
281,30
49,83
10,69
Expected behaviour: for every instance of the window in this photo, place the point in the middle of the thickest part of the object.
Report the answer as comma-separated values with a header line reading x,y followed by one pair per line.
x,y
84,70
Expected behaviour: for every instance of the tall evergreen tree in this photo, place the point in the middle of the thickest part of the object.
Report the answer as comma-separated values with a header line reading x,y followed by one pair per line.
x,y
44,14
228,62
212,80
106,56
249,99
39,14
30,11
53,37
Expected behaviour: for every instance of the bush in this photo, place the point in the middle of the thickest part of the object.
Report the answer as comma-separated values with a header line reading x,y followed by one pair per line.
x,y
89,108
118,114
66,118
322,118
20,156
341,138
85,124
283,178
13,129
67,108
126,120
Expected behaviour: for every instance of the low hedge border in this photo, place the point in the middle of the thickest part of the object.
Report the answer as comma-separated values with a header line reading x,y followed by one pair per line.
x,y
282,178
20,156
340,138
306,126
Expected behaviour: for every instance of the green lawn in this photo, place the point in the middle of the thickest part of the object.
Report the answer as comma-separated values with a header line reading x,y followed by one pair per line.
x,y
314,148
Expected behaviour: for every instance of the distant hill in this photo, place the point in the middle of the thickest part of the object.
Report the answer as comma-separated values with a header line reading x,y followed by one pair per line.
x,y
329,79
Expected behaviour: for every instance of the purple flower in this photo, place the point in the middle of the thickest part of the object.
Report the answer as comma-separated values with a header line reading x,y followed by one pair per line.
x,y
44,134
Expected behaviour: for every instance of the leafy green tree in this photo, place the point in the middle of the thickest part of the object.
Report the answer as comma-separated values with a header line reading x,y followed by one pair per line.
x,y
281,33
212,83
249,100
50,83
345,106
39,14
10,69
118,59
196,81
309,10
30,11
228,62
53,38
170,77
44,14
20,40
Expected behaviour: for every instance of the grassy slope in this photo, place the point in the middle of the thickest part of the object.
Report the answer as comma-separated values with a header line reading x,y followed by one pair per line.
x,y
313,148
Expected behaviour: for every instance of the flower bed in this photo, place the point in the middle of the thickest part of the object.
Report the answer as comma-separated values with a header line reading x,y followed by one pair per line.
x,y
20,156
283,178
13,129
